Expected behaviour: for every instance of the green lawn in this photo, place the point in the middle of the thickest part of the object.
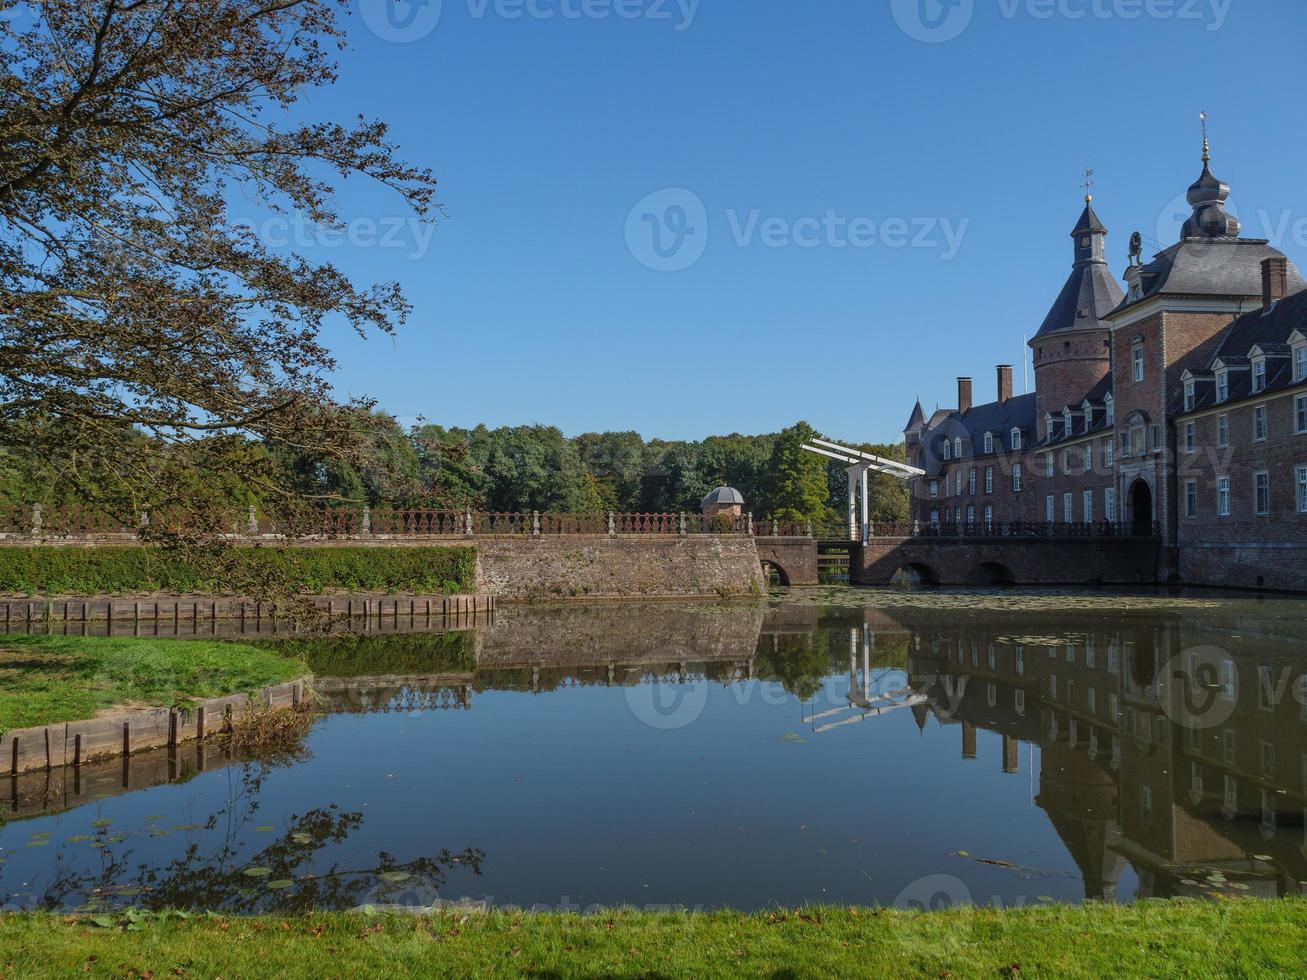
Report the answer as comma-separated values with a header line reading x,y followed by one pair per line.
x,y
49,679
1241,938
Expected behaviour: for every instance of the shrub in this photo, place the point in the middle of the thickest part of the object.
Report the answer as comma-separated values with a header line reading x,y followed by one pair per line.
x,y
88,571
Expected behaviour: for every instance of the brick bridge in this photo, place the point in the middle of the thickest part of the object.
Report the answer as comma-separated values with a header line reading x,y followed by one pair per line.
x,y
1008,555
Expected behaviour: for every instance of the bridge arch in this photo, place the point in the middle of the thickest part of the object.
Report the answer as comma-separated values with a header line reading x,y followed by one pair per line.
x,y
769,566
915,575
989,574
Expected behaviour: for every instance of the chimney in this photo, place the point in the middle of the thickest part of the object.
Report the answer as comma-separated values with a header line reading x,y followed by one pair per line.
x,y
964,394
1275,279
1004,382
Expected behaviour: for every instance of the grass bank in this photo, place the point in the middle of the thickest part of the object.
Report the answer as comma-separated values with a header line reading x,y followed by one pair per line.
x,y
1244,938
50,679
90,571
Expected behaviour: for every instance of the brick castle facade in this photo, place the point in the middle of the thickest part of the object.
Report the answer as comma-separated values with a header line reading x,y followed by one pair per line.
x,y
1176,407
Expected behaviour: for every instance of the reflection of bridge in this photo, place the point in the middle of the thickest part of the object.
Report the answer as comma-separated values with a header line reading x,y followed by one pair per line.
x,y
863,701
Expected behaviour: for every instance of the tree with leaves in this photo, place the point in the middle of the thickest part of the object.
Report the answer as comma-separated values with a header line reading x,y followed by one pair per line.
x,y
798,490
131,302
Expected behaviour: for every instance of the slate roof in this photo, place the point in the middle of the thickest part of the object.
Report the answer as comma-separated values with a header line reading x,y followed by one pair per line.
x,y
1090,292
1269,329
1211,267
724,496
916,418
1097,398
999,418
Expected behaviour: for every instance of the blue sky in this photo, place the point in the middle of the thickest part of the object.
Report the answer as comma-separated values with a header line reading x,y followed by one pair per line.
x,y
879,212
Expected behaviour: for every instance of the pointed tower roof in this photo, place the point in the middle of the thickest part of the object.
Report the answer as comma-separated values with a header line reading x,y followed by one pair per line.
x,y
1090,291
916,419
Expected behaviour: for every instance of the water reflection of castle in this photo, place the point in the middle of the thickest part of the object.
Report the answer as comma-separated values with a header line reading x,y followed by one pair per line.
x,y
1202,795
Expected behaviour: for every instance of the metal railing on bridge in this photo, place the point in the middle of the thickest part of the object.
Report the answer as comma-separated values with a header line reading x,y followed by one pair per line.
x,y
993,529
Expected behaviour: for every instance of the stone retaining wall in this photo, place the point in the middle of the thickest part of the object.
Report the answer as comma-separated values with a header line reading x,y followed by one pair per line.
x,y
578,566
73,743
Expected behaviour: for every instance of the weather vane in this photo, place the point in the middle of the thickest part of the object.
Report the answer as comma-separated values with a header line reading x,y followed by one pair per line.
x,y
1088,185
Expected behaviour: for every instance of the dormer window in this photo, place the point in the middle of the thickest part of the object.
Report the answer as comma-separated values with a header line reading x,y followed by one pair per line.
x,y
1016,433
1066,421
957,447
1048,424
948,450
1189,395
1222,385
989,442
1110,402
1300,362
1259,374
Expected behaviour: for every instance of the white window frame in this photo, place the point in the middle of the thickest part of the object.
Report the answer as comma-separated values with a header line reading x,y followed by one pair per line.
x,y
1222,496
1300,415
1109,504
1048,465
971,482
1301,473
1222,432
1137,362
989,442
1109,453
1087,503
1050,509
1189,395
1110,402
989,479
1015,436
1191,437
1260,424
1259,375
934,489
1300,362
948,450
1262,489
1016,478
1068,507
988,514
957,447
1222,386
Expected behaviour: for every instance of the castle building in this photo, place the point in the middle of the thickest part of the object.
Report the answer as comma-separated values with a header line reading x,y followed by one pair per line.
x,y
1176,407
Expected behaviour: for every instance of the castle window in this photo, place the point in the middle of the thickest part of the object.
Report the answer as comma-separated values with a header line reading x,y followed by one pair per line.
x,y
1222,385
989,442
1088,499
957,447
1262,493
1048,465
934,518
1300,414
1189,395
934,488
1259,423
1016,478
1155,438
989,479
1191,498
1190,437
1223,496
1259,374
1068,507
948,450
1050,513
1089,458
1109,504
971,482
1016,433
1066,421
1302,489
989,517
1222,431
1300,362
1137,360
1109,453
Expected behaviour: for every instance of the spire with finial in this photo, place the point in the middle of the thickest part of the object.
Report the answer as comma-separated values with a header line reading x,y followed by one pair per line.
x,y
1208,195
1089,231
1088,185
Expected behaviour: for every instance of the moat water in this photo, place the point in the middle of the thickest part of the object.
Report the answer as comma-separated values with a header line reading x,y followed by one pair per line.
x,y
829,745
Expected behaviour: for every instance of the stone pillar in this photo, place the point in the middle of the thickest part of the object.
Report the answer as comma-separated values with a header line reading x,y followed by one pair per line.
x,y
681,524
612,524
749,523
252,522
366,530
467,522
36,520
535,523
